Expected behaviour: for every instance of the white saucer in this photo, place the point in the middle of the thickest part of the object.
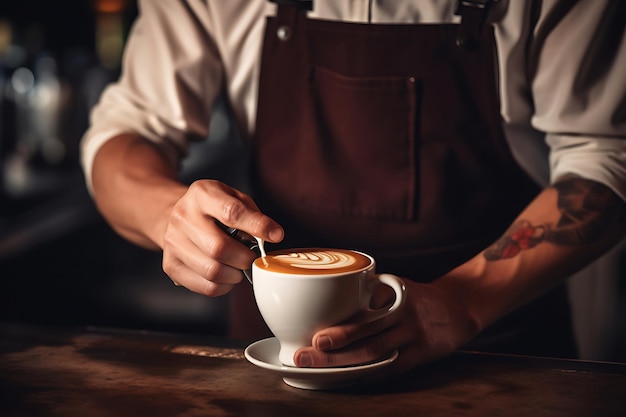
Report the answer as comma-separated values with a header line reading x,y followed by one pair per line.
x,y
264,354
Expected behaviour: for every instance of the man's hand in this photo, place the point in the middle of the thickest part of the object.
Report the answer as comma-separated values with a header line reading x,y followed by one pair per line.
x,y
430,325
197,253
137,190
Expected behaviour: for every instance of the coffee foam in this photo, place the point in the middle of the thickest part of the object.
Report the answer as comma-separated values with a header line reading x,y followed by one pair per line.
x,y
313,261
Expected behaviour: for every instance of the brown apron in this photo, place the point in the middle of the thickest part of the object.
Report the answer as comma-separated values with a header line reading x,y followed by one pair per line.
x,y
388,139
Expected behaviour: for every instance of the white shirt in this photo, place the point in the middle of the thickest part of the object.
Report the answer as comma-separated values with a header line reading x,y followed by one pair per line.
x,y
181,53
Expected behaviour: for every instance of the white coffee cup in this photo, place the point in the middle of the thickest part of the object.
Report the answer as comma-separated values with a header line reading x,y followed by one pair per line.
x,y
301,291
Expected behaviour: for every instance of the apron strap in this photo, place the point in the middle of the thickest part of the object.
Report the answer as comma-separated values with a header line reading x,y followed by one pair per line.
x,y
300,4
473,16
288,13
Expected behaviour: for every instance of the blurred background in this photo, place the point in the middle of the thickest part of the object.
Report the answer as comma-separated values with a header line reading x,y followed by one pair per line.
x,y
59,261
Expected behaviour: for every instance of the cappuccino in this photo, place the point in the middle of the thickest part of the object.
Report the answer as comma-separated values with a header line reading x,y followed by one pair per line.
x,y
313,261
300,291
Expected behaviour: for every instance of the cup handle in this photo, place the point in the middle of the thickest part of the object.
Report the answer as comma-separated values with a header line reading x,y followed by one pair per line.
x,y
397,285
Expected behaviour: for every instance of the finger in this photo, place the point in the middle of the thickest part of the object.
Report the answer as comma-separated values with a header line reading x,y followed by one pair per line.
x,y
182,257
236,209
194,238
206,267
367,350
184,276
217,244
340,336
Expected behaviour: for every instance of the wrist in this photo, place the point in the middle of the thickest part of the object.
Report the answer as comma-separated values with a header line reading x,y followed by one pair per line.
x,y
462,285
165,197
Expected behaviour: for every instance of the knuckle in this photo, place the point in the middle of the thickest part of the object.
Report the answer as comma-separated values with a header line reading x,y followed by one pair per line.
x,y
170,266
232,211
210,289
215,246
209,270
178,212
169,239
196,186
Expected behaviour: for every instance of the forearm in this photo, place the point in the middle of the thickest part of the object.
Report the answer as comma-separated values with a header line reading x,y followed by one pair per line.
x,y
134,188
566,227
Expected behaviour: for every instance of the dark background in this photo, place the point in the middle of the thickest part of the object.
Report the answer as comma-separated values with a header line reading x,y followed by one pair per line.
x,y
60,263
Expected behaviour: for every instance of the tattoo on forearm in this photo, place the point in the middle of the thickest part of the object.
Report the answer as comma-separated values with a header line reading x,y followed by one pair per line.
x,y
587,209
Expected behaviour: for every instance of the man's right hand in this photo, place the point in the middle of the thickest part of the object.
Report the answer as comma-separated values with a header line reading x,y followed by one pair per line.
x,y
137,190
197,253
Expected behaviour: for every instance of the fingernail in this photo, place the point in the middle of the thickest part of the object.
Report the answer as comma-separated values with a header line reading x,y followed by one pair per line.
x,y
305,360
276,234
323,343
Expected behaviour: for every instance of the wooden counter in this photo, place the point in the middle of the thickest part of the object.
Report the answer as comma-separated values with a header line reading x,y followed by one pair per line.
x,y
48,371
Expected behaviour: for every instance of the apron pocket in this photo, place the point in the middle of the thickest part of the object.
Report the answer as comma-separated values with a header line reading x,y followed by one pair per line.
x,y
358,151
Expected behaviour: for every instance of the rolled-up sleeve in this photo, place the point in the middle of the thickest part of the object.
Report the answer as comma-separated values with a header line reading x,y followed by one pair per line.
x,y
578,63
171,76
599,159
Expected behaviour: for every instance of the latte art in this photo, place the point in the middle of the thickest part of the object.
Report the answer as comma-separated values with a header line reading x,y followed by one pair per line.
x,y
314,261
317,260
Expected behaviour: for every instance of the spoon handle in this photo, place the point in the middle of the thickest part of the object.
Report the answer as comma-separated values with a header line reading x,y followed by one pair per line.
x,y
250,241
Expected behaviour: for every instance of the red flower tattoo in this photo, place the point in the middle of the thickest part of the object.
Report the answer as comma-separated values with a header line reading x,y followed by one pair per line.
x,y
521,236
